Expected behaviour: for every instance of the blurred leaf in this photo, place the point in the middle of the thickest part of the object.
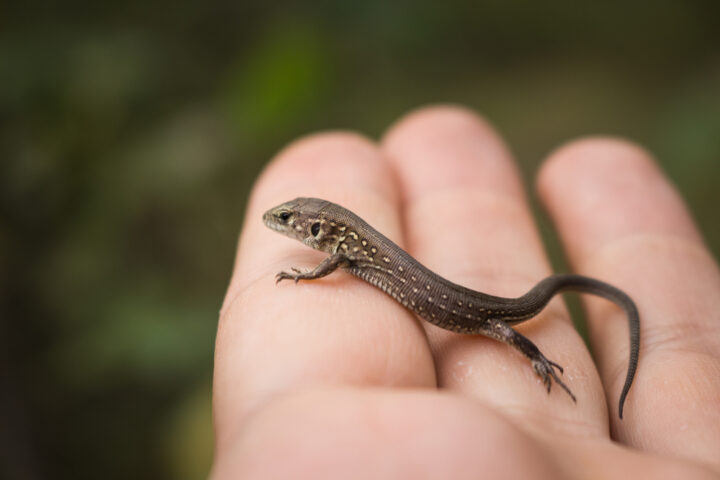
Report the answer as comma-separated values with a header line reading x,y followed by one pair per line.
x,y
145,337
179,155
186,439
689,131
286,74
107,72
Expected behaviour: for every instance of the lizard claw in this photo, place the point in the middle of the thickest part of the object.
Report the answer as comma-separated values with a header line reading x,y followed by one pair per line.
x,y
556,366
284,276
544,368
289,276
298,274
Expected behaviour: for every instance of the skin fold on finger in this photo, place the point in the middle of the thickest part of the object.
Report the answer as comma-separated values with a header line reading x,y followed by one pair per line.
x,y
347,433
382,434
273,339
621,220
466,218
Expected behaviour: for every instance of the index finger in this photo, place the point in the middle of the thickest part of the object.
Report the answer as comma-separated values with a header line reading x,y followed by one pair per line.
x,y
272,339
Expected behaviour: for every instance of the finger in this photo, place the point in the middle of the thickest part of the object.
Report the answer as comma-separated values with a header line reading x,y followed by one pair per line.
x,y
335,331
622,221
429,435
347,433
467,219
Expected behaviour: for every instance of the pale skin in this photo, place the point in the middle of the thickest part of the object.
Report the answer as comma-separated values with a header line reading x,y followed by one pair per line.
x,y
334,379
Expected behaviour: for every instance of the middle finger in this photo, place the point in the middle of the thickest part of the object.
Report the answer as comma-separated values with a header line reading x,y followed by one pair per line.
x,y
467,219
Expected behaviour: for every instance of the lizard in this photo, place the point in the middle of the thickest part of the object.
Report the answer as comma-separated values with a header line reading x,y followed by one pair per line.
x,y
355,246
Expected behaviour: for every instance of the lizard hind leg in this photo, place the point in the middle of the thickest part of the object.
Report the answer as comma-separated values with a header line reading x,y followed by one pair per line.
x,y
543,367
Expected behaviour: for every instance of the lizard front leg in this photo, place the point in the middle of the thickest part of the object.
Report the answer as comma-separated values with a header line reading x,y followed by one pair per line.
x,y
326,267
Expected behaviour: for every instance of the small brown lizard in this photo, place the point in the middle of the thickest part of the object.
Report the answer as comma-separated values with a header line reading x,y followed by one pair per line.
x,y
364,252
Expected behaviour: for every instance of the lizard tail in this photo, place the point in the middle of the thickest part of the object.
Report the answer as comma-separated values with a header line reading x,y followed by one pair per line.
x,y
541,294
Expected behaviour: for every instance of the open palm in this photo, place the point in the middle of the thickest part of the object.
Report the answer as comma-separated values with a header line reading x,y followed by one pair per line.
x,y
334,379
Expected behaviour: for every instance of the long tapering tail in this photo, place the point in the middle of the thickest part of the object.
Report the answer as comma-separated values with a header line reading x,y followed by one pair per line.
x,y
541,294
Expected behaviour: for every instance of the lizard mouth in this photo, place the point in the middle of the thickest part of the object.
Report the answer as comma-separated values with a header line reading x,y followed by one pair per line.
x,y
272,224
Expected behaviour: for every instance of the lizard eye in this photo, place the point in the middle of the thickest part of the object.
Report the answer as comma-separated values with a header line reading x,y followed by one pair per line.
x,y
315,229
284,216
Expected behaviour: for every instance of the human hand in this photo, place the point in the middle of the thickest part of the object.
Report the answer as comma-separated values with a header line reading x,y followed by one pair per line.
x,y
334,379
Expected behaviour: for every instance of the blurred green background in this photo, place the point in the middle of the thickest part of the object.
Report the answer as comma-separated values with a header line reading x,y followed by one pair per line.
x,y
132,131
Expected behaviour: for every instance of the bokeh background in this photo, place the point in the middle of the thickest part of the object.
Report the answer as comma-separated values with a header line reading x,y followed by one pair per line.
x,y
131,132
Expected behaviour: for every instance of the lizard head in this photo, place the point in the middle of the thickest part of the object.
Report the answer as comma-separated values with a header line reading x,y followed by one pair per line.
x,y
307,220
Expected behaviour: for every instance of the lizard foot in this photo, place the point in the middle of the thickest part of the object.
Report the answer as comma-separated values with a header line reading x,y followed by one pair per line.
x,y
545,370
